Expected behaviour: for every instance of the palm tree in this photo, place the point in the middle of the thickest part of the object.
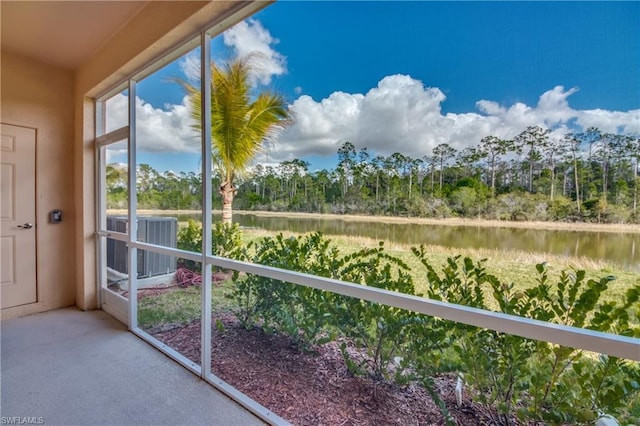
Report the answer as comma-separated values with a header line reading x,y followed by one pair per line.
x,y
240,121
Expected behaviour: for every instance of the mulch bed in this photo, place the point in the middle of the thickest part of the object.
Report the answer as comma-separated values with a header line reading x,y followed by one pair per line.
x,y
312,388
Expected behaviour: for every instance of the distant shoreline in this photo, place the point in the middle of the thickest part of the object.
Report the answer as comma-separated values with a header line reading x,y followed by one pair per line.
x,y
558,226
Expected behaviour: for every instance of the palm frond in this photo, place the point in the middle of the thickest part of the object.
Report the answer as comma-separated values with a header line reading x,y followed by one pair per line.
x,y
239,125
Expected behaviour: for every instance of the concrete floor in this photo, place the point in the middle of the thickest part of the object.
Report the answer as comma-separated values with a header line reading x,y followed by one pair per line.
x,y
68,367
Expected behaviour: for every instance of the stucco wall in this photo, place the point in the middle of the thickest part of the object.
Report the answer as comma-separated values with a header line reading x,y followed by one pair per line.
x,y
40,96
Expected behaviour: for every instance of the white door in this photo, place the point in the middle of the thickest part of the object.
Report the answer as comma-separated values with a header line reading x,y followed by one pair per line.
x,y
18,216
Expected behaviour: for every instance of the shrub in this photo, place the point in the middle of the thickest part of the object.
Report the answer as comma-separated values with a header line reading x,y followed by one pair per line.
x,y
312,316
513,377
300,312
380,329
464,201
539,381
226,241
561,208
190,237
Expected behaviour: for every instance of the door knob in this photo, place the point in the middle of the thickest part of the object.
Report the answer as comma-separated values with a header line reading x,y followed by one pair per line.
x,y
26,226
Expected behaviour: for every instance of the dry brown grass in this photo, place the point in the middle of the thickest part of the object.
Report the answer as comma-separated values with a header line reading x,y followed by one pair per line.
x,y
560,226
574,226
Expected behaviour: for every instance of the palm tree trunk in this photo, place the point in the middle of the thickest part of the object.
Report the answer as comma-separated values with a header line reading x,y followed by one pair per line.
x,y
227,191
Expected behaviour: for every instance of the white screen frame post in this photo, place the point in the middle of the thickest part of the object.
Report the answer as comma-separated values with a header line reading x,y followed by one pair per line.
x,y
205,132
132,229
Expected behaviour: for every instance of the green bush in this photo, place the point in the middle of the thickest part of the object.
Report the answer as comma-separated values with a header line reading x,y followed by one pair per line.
x,y
520,378
380,329
226,241
562,208
300,312
464,201
513,377
190,237
313,316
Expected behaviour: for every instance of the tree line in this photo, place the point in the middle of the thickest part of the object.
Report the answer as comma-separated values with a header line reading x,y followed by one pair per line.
x,y
586,176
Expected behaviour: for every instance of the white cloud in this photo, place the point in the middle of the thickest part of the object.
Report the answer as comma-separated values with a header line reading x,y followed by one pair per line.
x,y
610,121
551,111
165,130
319,127
554,107
157,130
402,115
190,66
249,38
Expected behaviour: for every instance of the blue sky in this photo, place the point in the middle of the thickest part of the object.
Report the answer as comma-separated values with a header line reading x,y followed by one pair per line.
x,y
461,47
406,76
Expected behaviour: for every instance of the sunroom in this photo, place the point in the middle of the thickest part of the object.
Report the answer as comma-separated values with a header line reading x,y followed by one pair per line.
x,y
73,76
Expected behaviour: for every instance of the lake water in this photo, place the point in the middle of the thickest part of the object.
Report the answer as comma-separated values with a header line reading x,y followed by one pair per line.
x,y
619,248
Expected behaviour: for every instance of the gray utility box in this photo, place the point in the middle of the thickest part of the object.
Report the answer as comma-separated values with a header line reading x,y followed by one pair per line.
x,y
161,231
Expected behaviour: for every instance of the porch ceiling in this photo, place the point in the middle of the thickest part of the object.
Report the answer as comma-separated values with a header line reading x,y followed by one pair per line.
x,y
62,33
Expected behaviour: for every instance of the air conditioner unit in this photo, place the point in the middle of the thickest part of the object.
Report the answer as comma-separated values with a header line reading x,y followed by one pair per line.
x,y
160,231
